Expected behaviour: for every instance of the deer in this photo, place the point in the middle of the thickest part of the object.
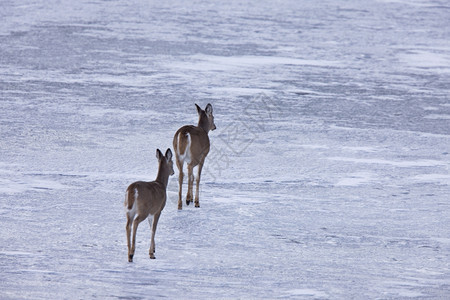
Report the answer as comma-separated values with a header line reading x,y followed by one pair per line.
x,y
191,145
147,199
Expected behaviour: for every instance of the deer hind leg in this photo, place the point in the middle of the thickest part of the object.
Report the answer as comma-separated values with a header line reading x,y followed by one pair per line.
x,y
153,223
197,192
189,197
131,213
180,182
128,227
136,222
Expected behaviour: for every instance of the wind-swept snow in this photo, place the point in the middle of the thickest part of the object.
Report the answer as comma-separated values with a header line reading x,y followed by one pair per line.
x,y
328,175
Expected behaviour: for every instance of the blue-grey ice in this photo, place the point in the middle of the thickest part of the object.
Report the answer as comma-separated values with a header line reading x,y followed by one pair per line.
x,y
328,175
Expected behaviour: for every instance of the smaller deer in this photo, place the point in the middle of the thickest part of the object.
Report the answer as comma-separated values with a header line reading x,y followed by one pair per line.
x,y
147,198
191,145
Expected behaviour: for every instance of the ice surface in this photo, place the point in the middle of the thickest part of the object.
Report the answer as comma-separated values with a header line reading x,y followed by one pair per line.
x,y
328,176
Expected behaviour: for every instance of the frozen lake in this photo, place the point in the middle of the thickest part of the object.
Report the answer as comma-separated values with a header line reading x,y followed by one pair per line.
x,y
328,176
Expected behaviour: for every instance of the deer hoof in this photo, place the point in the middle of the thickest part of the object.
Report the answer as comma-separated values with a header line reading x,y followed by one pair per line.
x,y
197,205
130,258
152,256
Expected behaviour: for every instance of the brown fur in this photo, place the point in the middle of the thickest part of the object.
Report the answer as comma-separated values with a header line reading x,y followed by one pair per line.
x,y
181,139
150,200
151,196
129,201
197,152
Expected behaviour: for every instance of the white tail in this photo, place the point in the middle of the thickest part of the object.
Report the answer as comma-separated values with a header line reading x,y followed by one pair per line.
x,y
191,145
186,155
147,198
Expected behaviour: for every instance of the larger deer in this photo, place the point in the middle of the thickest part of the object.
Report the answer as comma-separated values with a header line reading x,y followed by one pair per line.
x,y
147,199
191,145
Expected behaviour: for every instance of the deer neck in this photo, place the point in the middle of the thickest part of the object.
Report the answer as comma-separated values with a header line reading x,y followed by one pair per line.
x,y
203,123
163,174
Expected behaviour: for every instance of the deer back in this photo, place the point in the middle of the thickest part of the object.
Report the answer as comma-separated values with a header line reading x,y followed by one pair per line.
x,y
191,142
147,197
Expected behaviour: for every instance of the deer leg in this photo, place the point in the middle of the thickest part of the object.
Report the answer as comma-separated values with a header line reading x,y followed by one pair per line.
x,y
189,197
180,183
133,245
152,242
128,227
197,192
151,219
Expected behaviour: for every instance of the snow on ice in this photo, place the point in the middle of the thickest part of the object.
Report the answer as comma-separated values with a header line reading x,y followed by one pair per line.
x,y
328,176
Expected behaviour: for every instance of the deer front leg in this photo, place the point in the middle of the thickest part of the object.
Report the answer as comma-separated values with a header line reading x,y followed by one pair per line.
x,y
189,197
151,252
197,192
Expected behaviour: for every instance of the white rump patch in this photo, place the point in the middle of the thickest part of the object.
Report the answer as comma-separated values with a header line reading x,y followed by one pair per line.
x,y
132,212
186,156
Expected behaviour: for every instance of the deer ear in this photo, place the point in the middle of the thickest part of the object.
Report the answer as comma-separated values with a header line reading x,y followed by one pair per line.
x,y
209,109
158,154
169,154
199,110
